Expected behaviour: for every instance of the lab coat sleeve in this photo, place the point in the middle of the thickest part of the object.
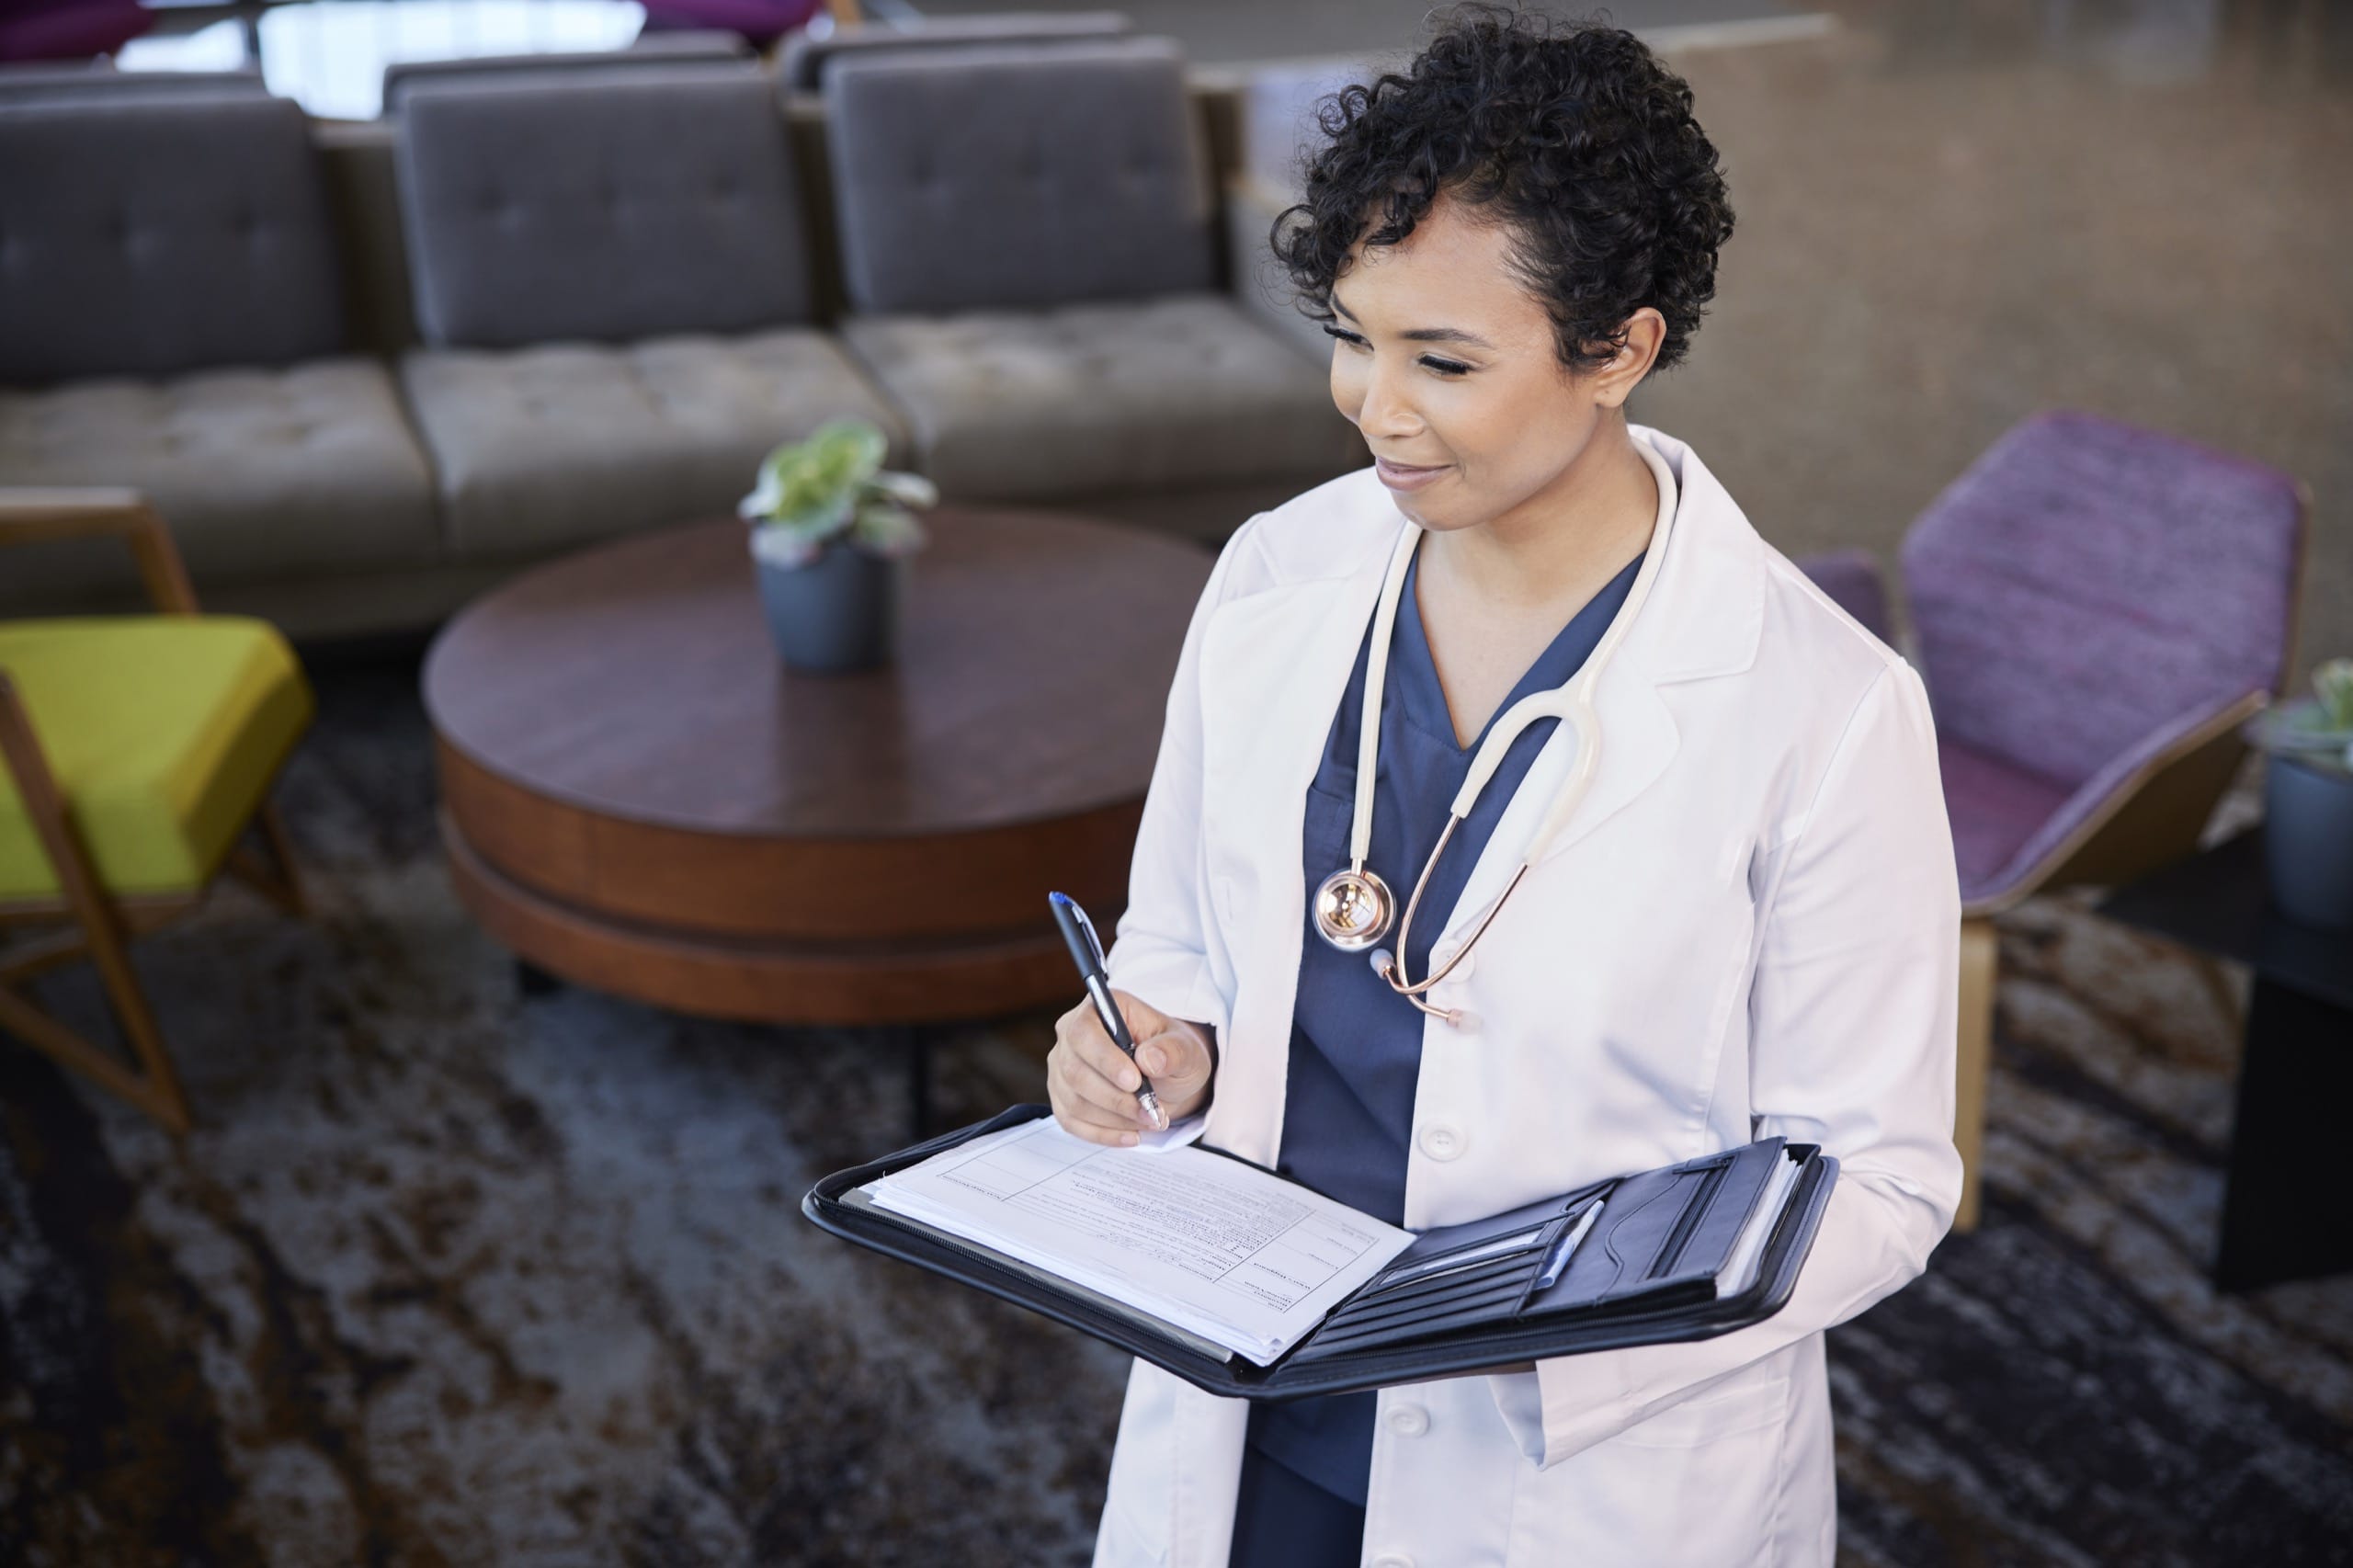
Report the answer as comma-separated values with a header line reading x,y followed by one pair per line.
x,y
1162,951
1853,1013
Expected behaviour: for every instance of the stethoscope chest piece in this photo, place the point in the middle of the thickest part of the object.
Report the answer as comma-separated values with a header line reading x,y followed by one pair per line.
x,y
1353,909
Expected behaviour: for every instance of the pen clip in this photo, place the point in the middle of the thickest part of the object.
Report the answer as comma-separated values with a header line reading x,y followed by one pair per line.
x,y
1094,943
1564,1246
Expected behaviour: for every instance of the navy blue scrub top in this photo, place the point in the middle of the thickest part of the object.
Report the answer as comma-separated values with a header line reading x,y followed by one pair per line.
x,y
1356,1045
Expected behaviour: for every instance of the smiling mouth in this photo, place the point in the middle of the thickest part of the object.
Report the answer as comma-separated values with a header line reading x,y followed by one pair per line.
x,y
1396,467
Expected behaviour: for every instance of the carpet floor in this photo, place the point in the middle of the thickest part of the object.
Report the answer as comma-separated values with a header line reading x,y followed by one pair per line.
x,y
450,1273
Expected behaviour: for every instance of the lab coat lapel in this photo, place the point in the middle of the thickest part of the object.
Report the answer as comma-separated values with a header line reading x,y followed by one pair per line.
x,y
1282,656
1704,617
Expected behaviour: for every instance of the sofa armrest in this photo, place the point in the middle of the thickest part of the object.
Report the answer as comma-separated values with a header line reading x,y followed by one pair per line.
x,y
30,515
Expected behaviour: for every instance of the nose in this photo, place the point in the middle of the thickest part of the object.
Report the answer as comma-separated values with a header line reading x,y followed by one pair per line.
x,y
1382,409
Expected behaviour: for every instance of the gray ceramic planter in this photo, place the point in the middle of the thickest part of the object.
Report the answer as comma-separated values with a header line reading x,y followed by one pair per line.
x,y
2308,841
838,613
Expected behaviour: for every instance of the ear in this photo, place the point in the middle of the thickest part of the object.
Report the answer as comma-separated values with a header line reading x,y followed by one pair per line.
x,y
1645,334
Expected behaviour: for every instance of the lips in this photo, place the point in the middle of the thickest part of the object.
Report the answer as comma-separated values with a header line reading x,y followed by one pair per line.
x,y
1394,466
1398,477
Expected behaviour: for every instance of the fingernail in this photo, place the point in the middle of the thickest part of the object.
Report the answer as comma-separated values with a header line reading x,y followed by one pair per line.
x,y
1128,1139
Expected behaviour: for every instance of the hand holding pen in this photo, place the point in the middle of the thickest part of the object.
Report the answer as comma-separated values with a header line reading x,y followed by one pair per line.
x,y
1117,1060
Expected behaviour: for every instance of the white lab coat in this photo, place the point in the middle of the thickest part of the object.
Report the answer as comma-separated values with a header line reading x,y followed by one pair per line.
x,y
1750,926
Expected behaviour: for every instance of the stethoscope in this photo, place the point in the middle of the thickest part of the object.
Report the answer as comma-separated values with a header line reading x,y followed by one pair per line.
x,y
1353,905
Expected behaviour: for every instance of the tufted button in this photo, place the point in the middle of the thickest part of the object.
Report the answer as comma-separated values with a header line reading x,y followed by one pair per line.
x,y
1442,1141
1409,1420
1393,1560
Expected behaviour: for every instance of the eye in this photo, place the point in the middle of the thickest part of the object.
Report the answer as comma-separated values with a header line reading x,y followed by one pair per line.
x,y
1441,367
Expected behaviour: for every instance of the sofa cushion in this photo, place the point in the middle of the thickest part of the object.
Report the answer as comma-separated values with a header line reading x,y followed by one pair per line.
x,y
803,62
163,732
1175,391
145,235
53,81
610,205
1005,175
541,448
646,49
260,473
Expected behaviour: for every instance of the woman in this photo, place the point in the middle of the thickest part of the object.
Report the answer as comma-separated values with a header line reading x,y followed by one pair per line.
x,y
1748,924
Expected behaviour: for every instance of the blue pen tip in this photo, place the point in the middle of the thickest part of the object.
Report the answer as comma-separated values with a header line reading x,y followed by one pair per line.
x,y
1058,898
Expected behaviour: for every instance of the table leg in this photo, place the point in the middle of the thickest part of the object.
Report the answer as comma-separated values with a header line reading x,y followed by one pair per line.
x,y
919,1049
2286,1213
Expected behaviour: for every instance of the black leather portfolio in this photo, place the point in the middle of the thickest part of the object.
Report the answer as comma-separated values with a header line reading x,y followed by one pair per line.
x,y
1637,1259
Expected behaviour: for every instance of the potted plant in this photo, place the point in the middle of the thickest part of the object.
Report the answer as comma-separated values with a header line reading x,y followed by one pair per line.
x,y
829,527
2308,799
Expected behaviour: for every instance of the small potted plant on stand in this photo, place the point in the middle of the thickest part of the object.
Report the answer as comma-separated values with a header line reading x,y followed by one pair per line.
x,y
829,528
2308,799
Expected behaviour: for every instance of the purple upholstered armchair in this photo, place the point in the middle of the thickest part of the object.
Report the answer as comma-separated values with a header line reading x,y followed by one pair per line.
x,y
2095,609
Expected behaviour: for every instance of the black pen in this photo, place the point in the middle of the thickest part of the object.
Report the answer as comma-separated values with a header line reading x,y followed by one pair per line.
x,y
1087,951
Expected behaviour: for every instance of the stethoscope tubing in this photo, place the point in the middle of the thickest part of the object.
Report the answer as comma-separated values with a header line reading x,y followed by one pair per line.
x,y
1571,702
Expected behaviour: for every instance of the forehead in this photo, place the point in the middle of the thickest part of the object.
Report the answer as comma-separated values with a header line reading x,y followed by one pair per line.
x,y
1450,271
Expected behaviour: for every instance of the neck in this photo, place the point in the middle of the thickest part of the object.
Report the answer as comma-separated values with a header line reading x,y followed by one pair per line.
x,y
1561,544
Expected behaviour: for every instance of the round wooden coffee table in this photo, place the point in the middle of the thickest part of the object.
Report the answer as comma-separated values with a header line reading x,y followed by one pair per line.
x,y
637,796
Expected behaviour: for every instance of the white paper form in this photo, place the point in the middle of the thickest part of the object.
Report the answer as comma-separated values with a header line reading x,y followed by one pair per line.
x,y
1230,1252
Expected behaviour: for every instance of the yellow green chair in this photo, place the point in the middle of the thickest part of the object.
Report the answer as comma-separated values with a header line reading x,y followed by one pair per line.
x,y
137,753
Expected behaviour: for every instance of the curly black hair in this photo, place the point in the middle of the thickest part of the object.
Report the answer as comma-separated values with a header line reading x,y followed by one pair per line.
x,y
1576,137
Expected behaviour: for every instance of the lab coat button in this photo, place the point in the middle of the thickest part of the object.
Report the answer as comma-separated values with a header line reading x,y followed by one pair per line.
x,y
1441,1141
1443,954
1409,1421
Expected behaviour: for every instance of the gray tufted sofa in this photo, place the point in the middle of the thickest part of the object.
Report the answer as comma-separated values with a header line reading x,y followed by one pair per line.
x,y
381,404
1029,246
611,284
171,318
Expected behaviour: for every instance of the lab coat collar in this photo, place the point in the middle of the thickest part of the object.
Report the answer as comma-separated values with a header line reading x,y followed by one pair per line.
x,y
1704,619
1286,650
1282,653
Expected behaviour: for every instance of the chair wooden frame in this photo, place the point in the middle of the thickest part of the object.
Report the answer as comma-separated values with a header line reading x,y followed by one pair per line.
x,y
100,926
2153,818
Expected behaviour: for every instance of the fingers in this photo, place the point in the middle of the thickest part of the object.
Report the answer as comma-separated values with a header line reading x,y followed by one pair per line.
x,y
1091,1083
1090,1044
1176,1058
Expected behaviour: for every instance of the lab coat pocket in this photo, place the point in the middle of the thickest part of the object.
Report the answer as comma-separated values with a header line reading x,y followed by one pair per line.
x,y
1742,1401
1695,1487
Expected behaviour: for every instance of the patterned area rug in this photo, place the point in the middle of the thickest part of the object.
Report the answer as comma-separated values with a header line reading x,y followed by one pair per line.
x,y
453,1273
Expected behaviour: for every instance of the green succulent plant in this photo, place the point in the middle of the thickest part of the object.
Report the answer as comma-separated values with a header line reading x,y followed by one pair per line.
x,y
2316,730
833,486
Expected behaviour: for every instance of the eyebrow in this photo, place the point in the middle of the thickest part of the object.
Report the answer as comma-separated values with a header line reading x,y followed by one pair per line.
x,y
1422,334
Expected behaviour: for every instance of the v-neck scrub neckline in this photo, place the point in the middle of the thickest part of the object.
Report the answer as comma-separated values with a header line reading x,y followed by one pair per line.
x,y
1412,662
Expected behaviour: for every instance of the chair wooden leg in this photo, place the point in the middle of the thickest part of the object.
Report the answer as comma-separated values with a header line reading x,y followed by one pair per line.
x,y
280,880
156,1089
1980,953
